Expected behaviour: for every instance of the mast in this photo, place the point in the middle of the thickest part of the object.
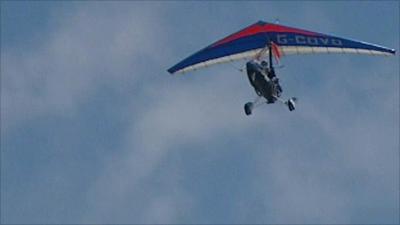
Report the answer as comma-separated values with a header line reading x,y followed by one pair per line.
x,y
270,56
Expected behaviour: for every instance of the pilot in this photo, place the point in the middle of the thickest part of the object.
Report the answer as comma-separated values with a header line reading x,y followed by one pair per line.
x,y
264,66
271,75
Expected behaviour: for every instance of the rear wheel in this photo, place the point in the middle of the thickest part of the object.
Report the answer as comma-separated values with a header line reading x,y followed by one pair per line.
x,y
248,108
291,103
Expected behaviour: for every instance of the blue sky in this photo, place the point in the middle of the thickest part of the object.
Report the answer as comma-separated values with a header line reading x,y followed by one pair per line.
x,y
94,130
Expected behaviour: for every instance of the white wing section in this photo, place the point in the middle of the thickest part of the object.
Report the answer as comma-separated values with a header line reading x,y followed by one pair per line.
x,y
230,58
292,50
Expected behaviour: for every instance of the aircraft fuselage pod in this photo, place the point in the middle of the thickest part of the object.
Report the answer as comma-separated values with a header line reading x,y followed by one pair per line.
x,y
262,83
266,85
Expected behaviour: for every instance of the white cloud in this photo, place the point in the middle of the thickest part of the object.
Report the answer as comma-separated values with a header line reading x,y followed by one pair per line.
x,y
94,46
102,46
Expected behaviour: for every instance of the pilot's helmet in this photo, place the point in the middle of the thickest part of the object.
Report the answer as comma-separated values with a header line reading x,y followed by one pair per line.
x,y
264,63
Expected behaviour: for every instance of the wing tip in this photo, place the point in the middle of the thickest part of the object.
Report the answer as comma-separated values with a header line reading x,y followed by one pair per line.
x,y
171,70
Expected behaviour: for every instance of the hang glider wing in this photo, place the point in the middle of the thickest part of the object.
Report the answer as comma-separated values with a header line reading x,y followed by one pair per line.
x,y
248,42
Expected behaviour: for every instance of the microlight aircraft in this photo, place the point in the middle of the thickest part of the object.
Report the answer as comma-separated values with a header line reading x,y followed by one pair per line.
x,y
267,40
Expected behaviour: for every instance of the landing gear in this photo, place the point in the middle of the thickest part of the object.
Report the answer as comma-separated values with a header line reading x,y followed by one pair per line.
x,y
291,103
248,108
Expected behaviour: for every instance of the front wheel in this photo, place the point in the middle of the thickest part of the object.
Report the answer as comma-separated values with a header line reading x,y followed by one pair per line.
x,y
248,108
291,103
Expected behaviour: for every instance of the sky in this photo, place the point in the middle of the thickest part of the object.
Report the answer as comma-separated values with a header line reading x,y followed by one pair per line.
x,y
94,130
